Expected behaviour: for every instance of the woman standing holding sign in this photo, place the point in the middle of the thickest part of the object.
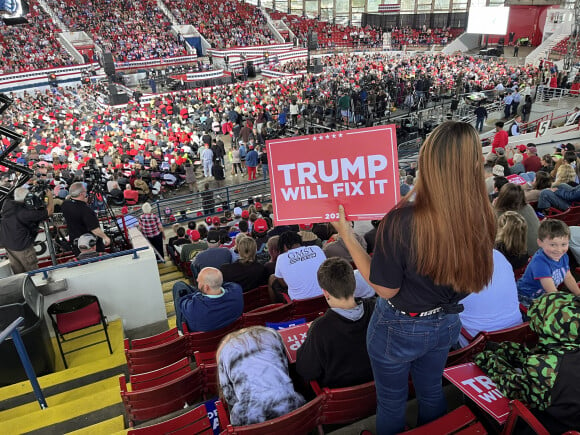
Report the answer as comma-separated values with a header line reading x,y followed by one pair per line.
x,y
430,253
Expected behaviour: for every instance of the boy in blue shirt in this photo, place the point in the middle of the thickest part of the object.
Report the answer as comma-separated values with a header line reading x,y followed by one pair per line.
x,y
549,267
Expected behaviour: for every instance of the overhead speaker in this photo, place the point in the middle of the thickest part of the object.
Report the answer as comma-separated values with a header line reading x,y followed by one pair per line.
x,y
108,63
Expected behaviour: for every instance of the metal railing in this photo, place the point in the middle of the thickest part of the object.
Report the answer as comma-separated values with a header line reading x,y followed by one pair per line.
x,y
547,94
199,205
12,330
45,270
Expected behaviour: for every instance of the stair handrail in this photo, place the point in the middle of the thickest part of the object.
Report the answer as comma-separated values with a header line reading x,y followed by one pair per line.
x,y
12,330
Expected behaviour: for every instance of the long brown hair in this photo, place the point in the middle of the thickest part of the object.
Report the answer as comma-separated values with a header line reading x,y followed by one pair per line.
x,y
453,229
511,197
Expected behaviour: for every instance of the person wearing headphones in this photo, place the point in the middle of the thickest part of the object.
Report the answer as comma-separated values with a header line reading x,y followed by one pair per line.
x,y
87,245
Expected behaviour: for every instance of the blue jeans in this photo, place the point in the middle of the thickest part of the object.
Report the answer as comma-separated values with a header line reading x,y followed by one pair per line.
x,y
180,289
568,193
479,124
397,344
265,173
549,199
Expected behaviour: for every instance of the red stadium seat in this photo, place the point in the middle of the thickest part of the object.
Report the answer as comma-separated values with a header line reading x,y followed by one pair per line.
x,y
346,405
460,420
269,313
256,298
298,422
194,422
154,340
309,308
150,403
208,341
467,353
517,334
156,377
519,411
156,357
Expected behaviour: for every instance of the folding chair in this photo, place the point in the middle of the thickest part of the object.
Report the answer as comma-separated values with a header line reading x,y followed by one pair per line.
x,y
154,340
74,314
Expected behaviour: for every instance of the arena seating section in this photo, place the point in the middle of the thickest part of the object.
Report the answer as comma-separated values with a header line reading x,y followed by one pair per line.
x,y
329,35
32,46
562,47
131,30
224,24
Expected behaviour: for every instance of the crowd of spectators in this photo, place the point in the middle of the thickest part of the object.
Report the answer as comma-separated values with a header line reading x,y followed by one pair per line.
x,y
32,46
224,24
130,30
330,35
166,132
424,36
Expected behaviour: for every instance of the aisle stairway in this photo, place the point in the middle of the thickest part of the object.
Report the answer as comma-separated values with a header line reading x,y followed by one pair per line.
x,y
85,398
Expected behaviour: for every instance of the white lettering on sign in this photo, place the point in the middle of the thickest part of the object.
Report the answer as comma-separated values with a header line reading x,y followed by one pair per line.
x,y
484,387
328,172
296,341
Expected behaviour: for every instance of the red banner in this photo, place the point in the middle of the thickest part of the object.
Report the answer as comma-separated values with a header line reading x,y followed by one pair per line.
x,y
517,179
478,387
312,175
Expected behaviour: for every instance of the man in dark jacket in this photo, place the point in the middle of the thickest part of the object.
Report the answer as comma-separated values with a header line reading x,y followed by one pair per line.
x,y
19,227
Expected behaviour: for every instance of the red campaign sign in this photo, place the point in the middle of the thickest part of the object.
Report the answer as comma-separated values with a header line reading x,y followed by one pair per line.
x,y
312,175
480,388
293,338
516,179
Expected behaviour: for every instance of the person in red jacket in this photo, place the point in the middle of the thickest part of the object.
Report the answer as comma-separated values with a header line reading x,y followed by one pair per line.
x,y
500,140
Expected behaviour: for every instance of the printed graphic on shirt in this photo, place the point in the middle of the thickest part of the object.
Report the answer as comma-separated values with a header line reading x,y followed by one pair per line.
x,y
303,254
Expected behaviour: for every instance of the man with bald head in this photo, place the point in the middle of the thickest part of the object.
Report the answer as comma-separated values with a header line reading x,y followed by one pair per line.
x,y
213,305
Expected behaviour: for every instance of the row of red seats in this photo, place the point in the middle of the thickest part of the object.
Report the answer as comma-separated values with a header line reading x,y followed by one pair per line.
x,y
152,353
165,390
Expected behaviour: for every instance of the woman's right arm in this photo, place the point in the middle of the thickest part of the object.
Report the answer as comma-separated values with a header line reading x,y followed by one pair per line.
x,y
359,255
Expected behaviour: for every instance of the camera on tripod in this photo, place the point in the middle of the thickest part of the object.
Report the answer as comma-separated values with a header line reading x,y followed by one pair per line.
x,y
93,176
34,200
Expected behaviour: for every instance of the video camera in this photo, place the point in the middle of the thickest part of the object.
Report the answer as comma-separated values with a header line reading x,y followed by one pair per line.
x,y
93,176
34,200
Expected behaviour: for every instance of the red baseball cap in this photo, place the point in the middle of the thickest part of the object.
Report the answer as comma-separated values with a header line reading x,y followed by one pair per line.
x,y
216,220
208,220
195,236
306,227
258,205
260,226
245,214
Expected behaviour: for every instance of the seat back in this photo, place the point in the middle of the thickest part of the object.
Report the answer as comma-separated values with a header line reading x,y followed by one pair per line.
x,y
298,422
256,298
194,422
457,420
154,340
517,334
75,313
466,353
269,313
572,218
519,411
156,357
309,308
159,377
346,405
149,403
210,340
